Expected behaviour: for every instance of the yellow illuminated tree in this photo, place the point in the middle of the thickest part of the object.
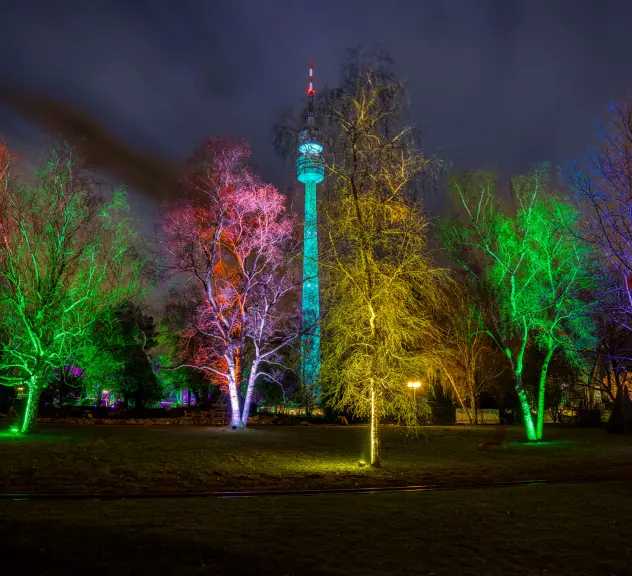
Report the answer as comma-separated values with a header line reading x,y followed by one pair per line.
x,y
380,285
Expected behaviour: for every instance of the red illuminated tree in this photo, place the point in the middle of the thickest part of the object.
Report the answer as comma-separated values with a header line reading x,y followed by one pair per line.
x,y
232,236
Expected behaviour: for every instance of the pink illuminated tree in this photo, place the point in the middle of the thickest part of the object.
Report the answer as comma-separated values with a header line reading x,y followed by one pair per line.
x,y
233,237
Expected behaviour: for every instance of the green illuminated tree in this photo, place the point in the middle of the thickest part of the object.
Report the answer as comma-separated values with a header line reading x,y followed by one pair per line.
x,y
565,306
101,358
380,286
534,269
66,259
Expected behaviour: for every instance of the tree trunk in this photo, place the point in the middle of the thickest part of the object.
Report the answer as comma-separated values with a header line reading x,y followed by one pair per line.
x,y
252,377
620,421
543,373
235,417
238,370
526,409
473,408
30,412
471,387
376,444
517,370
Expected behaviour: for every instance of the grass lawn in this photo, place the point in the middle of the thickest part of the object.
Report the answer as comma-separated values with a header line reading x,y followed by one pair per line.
x,y
557,530
129,459
561,529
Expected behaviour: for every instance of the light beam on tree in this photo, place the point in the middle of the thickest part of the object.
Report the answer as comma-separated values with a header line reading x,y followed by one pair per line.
x,y
379,284
233,237
66,259
534,269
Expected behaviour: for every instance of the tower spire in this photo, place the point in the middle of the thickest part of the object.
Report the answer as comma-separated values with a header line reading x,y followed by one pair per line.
x,y
310,94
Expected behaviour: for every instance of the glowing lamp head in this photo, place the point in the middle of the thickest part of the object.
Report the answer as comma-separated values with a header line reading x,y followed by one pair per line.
x,y
310,147
414,384
309,141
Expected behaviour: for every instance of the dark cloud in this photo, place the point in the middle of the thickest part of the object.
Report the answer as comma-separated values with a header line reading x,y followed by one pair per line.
x,y
151,175
493,82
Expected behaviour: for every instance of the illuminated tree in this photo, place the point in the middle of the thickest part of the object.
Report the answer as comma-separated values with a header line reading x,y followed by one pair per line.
x,y
379,283
66,257
607,374
232,236
101,359
463,352
603,182
565,287
534,269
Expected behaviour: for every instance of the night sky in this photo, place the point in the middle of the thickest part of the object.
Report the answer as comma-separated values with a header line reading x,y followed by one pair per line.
x,y
500,84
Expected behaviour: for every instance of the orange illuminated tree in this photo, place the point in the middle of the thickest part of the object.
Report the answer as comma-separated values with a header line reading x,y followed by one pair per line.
x,y
464,354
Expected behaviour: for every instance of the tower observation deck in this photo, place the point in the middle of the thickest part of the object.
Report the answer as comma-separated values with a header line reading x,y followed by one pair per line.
x,y
310,171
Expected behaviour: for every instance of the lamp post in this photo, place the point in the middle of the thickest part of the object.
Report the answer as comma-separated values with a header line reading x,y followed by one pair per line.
x,y
414,386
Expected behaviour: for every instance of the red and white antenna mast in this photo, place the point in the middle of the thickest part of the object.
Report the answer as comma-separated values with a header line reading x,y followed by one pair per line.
x,y
310,94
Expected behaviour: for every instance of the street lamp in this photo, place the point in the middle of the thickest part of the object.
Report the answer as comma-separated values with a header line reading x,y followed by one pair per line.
x,y
414,386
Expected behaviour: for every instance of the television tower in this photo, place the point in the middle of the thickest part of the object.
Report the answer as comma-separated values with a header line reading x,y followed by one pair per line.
x,y
310,171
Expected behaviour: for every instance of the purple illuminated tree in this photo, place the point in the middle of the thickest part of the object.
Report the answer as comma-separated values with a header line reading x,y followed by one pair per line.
x,y
232,236
603,182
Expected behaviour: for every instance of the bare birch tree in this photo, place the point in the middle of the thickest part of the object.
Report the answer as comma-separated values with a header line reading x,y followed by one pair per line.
x,y
380,285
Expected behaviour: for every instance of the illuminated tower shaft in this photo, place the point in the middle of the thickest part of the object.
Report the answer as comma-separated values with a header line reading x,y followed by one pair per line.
x,y
310,171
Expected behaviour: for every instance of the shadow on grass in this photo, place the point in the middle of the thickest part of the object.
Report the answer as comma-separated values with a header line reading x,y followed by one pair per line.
x,y
31,547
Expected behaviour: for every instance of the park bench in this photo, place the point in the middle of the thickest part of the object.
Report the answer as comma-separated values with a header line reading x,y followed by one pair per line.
x,y
499,439
218,416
